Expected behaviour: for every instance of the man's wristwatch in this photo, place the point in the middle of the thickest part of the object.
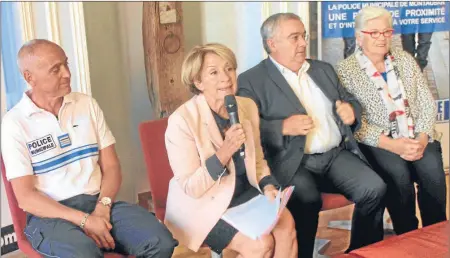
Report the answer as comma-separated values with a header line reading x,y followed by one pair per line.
x,y
106,201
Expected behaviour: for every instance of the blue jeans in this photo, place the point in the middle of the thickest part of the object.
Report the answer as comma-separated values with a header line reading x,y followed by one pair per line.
x,y
135,231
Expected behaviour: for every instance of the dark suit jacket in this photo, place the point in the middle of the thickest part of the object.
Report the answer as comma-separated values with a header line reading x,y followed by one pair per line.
x,y
276,101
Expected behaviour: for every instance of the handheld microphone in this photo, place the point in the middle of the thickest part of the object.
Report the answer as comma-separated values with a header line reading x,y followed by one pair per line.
x,y
231,106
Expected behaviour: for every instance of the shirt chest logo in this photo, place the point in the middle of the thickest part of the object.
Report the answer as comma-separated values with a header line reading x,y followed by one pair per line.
x,y
41,145
64,141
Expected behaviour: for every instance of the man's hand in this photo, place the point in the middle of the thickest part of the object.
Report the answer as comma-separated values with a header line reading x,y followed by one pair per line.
x,y
297,125
270,192
98,226
345,112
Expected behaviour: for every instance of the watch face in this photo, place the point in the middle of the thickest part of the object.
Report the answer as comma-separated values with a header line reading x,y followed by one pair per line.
x,y
106,200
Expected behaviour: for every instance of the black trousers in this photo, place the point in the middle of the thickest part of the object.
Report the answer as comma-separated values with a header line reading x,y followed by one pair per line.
x,y
350,176
423,46
400,176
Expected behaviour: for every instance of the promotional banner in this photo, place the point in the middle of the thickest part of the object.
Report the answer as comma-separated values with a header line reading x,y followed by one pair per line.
x,y
408,17
8,240
443,110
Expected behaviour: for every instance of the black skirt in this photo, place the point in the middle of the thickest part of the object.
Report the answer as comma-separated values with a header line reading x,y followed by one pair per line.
x,y
220,236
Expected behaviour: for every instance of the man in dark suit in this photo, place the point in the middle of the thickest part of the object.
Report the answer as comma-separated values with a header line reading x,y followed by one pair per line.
x,y
307,125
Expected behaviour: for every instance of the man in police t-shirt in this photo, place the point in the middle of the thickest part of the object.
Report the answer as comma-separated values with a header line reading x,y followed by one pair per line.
x,y
60,158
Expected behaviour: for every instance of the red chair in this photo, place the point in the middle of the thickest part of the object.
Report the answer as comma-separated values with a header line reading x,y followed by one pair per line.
x,y
158,167
19,220
332,201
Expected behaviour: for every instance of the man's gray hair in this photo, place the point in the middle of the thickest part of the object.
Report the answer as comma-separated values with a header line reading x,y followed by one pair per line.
x,y
269,26
369,13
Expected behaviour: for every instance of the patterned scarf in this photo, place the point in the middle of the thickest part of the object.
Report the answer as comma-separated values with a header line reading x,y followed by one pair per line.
x,y
392,92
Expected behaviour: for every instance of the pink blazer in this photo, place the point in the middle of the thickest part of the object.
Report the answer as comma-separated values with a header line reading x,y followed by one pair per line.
x,y
195,201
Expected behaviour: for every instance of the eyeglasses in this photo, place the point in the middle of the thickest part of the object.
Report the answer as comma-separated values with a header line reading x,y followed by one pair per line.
x,y
377,34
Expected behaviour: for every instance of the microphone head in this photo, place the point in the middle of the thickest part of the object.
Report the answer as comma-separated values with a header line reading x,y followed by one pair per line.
x,y
230,103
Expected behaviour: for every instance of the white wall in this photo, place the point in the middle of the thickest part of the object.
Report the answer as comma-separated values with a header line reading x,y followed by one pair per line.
x,y
192,23
109,84
207,22
118,81
239,32
134,68
218,25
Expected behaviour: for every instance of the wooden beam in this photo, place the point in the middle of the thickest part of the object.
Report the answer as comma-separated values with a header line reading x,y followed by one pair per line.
x,y
163,38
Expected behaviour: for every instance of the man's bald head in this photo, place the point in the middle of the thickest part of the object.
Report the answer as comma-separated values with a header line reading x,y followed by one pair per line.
x,y
32,51
45,68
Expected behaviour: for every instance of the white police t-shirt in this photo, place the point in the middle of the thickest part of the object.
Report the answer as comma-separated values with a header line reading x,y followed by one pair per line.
x,y
62,153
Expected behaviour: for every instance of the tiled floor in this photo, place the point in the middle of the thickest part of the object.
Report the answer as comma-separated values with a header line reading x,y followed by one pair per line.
x,y
16,254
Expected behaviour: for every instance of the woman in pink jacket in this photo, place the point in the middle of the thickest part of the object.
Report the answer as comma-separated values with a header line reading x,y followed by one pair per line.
x,y
209,174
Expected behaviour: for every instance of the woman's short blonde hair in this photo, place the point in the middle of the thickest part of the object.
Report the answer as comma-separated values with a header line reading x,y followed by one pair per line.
x,y
193,63
368,13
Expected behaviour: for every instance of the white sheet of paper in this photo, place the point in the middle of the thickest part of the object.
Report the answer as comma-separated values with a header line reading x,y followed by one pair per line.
x,y
254,217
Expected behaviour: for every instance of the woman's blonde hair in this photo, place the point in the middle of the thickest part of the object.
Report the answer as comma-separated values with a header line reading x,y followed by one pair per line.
x,y
368,13
193,63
